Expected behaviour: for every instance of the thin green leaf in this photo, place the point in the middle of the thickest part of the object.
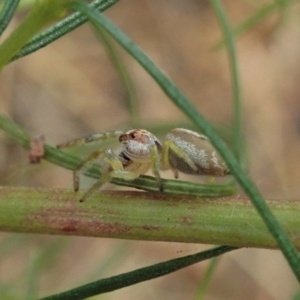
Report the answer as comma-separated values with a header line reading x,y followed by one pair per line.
x,y
10,244
284,13
258,16
139,275
254,19
250,22
235,77
7,13
31,277
296,296
203,287
40,261
116,257
131,99
58,30
42,13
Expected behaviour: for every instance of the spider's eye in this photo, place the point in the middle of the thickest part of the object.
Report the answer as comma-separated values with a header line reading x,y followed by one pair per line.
x,y
132,135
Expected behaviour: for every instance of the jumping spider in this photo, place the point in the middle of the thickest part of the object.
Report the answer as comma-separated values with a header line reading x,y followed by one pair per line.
x,y
182,150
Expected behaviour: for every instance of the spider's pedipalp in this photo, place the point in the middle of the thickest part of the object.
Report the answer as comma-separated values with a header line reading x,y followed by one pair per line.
x,y
113,160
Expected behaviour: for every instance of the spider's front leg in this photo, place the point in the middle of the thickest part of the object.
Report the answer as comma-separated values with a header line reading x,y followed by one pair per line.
x,y
115,170
96,137
84,165
115,163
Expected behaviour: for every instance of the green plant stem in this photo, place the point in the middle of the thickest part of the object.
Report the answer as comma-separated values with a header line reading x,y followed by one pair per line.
x,y
139,275
42,13
296,296
7,12
236,85
258,16
250,22
125,78
185,106
205,281
149,216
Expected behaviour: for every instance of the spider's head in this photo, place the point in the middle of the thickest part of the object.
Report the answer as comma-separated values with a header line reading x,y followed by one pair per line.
x,y
137,144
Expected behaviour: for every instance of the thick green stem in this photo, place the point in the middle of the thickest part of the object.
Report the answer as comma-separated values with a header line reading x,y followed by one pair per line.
x,y
144,216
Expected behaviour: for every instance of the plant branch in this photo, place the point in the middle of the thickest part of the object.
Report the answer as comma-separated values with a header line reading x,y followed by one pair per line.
x,y
144,216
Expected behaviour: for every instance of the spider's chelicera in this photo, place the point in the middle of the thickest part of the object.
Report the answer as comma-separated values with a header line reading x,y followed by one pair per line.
x,y
182,150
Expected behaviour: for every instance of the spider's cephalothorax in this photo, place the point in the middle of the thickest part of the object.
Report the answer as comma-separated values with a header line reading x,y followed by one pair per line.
x,y
137,145
141,151
182,150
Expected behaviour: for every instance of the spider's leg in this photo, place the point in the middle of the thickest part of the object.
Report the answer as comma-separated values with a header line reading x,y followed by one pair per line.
x,y
155,163
117,171
83,165
169,145
122,174
165,160
90,139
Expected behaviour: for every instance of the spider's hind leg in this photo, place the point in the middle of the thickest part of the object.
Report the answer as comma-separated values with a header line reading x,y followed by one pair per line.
x,y
178,153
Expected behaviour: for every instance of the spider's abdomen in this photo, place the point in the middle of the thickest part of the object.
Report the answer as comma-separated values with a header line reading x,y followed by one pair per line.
x,y
199,150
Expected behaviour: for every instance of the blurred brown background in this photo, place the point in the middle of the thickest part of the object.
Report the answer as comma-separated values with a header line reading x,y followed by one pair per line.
x,y
70,89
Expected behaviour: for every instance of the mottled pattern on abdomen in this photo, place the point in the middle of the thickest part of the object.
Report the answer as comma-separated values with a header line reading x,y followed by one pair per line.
x,y
199,149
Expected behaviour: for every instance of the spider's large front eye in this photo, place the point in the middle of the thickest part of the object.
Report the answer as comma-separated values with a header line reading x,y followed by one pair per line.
x,y
132,135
